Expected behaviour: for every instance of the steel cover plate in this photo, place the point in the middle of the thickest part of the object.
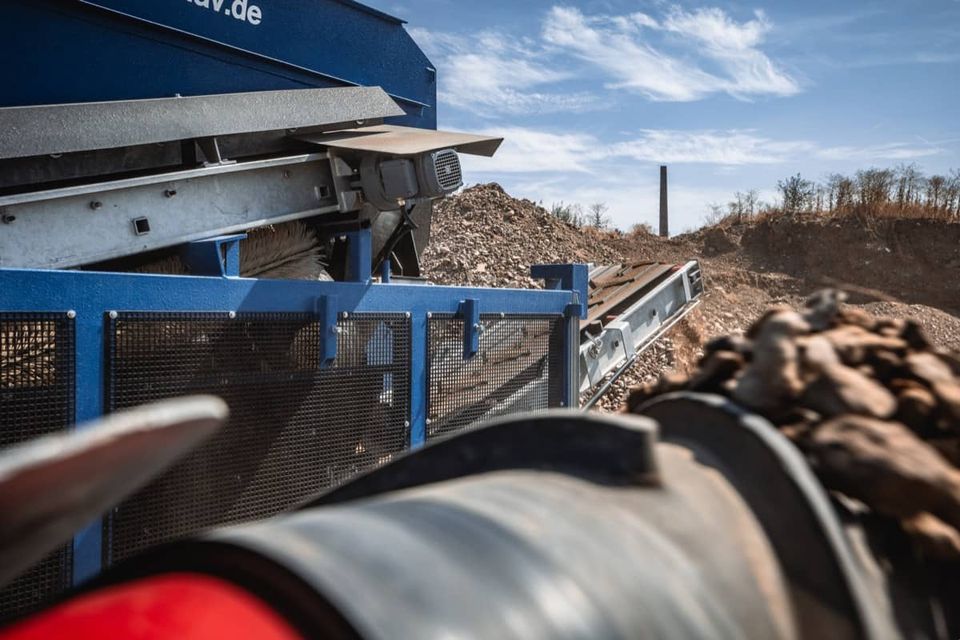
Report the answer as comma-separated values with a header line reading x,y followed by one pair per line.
x,y
404,141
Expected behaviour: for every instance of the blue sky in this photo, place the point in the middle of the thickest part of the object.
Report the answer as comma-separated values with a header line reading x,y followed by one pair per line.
x,y
593,96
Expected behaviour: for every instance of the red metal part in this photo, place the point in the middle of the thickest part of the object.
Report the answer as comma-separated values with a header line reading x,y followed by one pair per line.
x,y
180,606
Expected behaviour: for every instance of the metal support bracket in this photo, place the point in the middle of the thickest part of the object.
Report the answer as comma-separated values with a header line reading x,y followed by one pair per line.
x,y
472,328
359,256
386,270
215,257
210,148
327,309
569,277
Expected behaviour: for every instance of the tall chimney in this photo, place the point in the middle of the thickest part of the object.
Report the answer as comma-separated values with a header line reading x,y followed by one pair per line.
x,y
664,206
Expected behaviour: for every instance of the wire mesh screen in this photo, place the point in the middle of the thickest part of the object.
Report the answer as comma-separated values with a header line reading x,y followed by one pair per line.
x,y
37,371
295,428
519,367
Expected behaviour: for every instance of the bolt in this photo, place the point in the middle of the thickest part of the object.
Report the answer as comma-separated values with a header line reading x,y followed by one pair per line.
x,y
408,315
429,315
344,315
562,403
71,314
336,330
503,315
113,315
96,204
406,423
232,315
429,421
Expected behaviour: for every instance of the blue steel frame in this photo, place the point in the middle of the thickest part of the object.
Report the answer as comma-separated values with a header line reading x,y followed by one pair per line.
x,y
90,297
138,49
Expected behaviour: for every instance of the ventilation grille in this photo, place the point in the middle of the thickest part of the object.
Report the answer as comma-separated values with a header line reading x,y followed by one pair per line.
x,y
449,174
294,428
518,368
37,371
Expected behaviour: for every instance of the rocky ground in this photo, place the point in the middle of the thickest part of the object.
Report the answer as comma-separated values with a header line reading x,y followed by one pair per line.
x,y
485,237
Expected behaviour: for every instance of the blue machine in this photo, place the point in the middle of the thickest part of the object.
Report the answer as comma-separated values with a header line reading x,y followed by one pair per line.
x,y
325,379
84,51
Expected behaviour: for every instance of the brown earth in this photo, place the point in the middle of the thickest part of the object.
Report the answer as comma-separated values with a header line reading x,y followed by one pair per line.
x,y
898,268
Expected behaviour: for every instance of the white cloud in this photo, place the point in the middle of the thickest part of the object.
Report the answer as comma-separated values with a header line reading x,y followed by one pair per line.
x,y
528,150
894,151
490,74
709,147
533,151
708,52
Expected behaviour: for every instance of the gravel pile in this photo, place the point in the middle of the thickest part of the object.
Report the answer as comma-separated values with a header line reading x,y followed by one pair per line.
x,y
870,401
483,237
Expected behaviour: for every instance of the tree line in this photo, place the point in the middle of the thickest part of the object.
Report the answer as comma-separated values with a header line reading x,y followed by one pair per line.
x,y
903,191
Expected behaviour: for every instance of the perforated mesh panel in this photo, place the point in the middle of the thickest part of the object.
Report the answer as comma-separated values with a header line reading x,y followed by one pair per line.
x,y
519,367
37,370
294,428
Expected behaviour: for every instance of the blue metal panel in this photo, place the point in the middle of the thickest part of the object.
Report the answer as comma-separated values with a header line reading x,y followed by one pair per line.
x,y
571,277
82,51
94,295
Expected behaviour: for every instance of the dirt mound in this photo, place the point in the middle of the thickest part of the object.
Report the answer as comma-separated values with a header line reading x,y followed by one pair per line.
x,y
898,268
484,237
906,260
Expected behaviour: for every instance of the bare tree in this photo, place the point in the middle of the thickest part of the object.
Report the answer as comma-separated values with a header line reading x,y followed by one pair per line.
x,y
797,194
840,190
908,181
953,193
936,192
597,216
874,187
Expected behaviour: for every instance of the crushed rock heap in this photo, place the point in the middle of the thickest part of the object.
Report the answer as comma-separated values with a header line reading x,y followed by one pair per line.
x,y
483,237
870,401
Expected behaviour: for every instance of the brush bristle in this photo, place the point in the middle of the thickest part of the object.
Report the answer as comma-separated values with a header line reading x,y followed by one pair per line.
x,y
287,251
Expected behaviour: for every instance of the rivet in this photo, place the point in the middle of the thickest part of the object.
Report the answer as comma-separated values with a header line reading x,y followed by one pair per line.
x,y
113,315
429,421
408,315
406,423
71,314
96,204
429,315
344,315
502,316
232,315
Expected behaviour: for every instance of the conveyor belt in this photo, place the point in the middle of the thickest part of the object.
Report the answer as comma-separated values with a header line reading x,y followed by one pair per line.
x,y
630,308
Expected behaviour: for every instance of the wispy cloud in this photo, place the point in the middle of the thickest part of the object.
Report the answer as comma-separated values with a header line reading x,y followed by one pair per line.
x,y
490,74
533,151
678,55
683,56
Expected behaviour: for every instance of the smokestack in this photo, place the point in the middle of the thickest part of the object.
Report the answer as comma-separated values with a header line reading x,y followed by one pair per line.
x,y
664,206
